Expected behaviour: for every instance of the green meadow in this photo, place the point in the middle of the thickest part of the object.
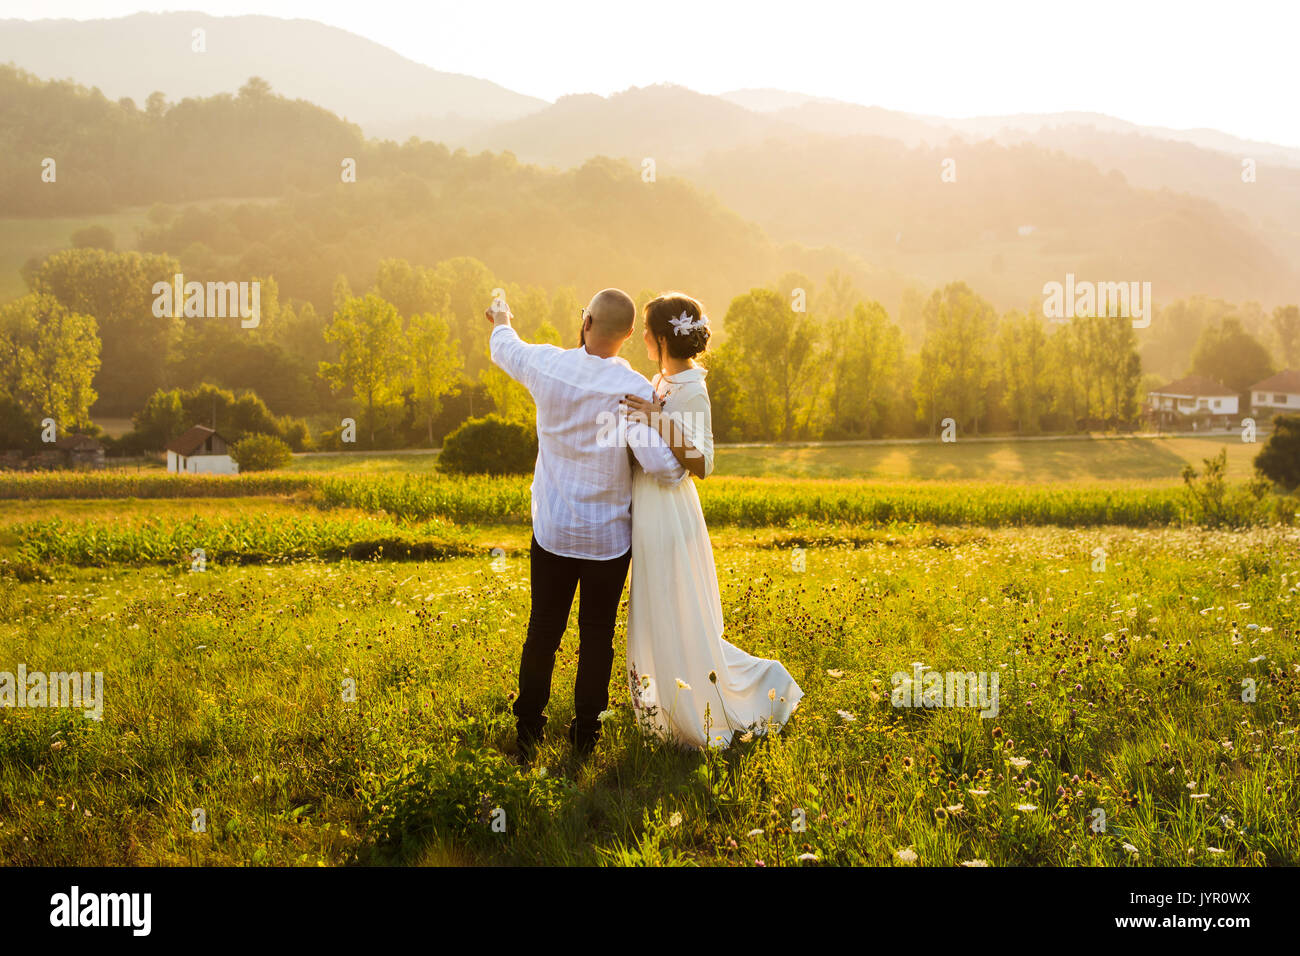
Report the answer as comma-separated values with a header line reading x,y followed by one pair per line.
x,y
330,684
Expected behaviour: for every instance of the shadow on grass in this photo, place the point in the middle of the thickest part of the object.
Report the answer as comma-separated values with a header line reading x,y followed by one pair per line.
x,y
481,804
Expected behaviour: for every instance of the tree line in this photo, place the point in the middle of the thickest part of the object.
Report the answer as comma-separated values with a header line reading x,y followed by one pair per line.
x,y
405,359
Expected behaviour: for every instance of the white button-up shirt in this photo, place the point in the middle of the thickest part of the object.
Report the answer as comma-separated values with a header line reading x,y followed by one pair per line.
x,y
582,485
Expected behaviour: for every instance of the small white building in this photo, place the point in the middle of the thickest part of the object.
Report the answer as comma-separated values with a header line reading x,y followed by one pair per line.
x,y
200,451
1277,393
1193,400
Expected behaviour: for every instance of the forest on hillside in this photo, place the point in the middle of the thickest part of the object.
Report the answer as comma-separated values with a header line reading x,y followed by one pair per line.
x,y
374,261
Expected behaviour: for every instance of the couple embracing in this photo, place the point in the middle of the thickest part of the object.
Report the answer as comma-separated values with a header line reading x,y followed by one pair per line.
x,y
599,504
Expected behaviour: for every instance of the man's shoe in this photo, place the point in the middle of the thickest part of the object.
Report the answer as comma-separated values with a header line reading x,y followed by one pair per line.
x,y
583,744
526,748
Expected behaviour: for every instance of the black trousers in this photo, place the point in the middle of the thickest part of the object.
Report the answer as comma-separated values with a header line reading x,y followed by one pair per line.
x,y
554,579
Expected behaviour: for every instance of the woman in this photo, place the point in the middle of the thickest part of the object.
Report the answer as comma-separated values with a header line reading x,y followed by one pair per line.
x,y
687,683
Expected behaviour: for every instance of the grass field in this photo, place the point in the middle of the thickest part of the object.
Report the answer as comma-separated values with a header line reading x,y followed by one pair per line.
x,y
225,693
331,683
22,238
749,502
366,463
1067,459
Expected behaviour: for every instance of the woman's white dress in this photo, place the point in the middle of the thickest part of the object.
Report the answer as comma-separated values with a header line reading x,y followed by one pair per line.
x,y
674,624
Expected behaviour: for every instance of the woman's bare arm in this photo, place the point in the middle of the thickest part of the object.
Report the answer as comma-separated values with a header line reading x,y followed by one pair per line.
x,y
674,435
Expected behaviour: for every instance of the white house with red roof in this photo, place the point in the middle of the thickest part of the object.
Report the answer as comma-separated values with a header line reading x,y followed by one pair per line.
x,y
200,451
1277,393
1192,400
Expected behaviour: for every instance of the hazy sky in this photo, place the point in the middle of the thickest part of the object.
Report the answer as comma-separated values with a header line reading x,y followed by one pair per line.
x,y
1230,65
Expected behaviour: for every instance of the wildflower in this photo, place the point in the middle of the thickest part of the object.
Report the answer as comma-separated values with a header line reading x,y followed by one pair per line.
x,y
756,832
846,715
906,855
956,809
675,820
977,793
771,694
1200,796
1020,763
1214,850
1131,850
682,685
808,858
834,673
975,863
57,746
604,715
713,677
1026,807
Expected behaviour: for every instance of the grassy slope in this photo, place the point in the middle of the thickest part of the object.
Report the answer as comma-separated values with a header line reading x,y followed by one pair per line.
x,y
21,238
224,693
1137,459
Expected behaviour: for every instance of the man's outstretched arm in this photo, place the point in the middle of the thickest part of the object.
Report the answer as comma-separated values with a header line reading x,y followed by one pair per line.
x,y
509,352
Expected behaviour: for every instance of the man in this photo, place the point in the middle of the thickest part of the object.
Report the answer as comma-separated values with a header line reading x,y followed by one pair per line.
x,y
582,504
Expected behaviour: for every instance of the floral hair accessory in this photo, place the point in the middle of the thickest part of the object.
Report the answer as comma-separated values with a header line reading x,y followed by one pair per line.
x,y
686,323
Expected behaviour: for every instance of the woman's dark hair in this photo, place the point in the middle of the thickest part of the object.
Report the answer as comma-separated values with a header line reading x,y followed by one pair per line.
x,y
659,314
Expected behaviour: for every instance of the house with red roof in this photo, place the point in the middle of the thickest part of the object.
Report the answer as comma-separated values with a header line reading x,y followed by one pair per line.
x,y
1194,401
1275,394
200,451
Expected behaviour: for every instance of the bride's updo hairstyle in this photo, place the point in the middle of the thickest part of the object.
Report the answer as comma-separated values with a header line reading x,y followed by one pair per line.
x,y
681,320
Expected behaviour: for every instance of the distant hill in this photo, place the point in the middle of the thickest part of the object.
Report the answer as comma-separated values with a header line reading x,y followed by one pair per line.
x,y
865,179
831,115
769,101
1037,195
381,91
1203,163
1016,217
985,127
666,122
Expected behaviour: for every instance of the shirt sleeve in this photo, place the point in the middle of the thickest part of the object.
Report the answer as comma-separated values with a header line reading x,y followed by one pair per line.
x,y
653,453
648,446
695,416
515,357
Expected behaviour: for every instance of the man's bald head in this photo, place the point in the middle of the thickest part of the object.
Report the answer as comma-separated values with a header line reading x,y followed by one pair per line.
x,y
611,313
